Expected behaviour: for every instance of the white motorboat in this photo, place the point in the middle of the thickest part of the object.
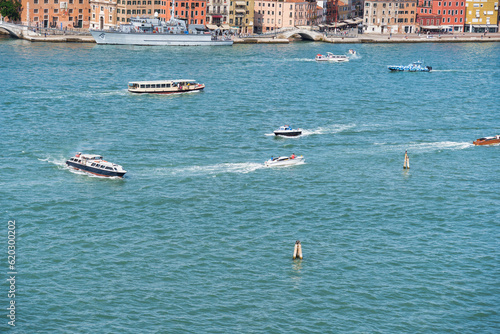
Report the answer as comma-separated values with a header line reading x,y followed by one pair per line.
x,y
284,161
95,164
287,131
331,57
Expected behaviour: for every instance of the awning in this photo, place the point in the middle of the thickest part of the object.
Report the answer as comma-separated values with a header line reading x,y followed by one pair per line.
x,y
212,26
226,27
240,10
241,3
431,27
357,20
337,25
217,16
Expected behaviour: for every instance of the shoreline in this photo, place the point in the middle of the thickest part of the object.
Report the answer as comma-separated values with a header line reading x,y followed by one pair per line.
x,y
361,39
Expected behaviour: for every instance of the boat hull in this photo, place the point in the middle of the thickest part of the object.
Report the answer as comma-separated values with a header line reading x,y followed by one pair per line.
x,y
492,141
121,38
95,171
284,161
287,133
168,92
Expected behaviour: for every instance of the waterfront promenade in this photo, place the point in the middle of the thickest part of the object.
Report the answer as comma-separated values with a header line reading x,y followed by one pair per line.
x,y
361,38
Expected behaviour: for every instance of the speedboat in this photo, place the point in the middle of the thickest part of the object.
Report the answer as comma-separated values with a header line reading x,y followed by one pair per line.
x,y
416,66
95,164
351,51
287,131
331,57
487,140
164,86
284,161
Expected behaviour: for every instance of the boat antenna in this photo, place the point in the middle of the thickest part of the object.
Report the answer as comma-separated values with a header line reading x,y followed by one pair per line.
x,y
172,11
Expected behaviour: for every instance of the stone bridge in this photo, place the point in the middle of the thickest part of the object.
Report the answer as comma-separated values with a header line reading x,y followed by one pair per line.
x,y
303,33
13,29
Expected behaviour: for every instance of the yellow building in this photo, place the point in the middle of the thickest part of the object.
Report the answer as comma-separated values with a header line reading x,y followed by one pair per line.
x,y
481,15
241,16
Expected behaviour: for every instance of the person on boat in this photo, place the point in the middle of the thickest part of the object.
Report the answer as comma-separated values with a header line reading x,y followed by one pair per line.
x,y
292,156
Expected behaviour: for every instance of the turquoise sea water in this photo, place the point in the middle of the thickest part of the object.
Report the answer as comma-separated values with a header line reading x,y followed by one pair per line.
x,y
198,237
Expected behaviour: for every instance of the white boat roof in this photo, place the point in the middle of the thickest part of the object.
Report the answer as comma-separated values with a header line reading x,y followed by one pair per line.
x,y
161,81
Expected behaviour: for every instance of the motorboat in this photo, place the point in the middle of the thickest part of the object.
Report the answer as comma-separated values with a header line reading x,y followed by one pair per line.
x,y
287,131
284,161
352,52
95,164
416,66
487,140
164,86
331,57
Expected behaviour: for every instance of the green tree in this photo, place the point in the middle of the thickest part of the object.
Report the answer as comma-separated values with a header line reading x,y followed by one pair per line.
x,y
10,9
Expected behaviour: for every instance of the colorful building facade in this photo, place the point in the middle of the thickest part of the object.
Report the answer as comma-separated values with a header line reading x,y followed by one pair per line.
x,y
481,16
56,13
452,14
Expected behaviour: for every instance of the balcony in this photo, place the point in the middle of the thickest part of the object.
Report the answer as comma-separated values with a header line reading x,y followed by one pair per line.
x,y
215,12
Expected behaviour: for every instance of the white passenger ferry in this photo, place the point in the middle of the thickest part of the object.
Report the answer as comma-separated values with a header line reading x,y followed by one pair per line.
x,y
164,86
95,164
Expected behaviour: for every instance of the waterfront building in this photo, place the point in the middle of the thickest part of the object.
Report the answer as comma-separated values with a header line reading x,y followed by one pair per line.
x,y
332,11
103,14
56,13
381,16
217,12
407,14
452,13
427,20
192,11
241,16
271,15
481,15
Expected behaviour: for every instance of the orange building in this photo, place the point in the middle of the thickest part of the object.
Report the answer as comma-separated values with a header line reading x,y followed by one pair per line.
x,y
56,13
193,11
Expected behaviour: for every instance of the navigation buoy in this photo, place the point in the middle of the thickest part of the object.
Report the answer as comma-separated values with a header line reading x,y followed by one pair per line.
x,y
297,250
406,164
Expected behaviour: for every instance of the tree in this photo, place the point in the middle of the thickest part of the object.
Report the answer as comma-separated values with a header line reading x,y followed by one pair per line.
x,y
10,9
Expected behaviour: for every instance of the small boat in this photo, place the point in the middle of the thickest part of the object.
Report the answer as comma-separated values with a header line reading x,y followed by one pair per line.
x,y
487,140
287,131
351,51
95,164
331,57
284,161
164,86
416,66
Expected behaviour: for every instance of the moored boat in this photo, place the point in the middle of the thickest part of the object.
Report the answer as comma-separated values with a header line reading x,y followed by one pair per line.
x,y
164,86
153,31
331,57
487,140
284,161
95,164
416,66
287,131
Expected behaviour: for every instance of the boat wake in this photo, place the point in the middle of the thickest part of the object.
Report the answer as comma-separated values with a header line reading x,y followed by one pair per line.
x,y
303,59
238,168
330,129
322,130
438,146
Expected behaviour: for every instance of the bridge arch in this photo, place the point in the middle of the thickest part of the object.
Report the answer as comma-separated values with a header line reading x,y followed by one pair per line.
x,y
303,33
12,29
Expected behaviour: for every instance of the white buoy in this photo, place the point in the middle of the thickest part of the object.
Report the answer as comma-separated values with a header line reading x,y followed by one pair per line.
x,y
297,250
406,164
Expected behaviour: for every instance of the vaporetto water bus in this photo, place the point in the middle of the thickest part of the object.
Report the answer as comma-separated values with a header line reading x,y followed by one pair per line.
x,y
153,31
164,86
95,164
